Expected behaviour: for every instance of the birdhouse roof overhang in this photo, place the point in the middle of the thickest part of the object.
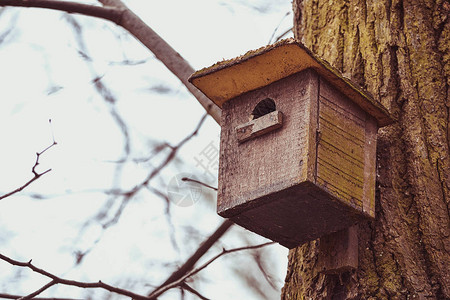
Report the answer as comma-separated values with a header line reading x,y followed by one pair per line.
x,y
230,78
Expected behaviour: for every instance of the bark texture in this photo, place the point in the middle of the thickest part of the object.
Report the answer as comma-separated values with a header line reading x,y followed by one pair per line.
x,y
399,51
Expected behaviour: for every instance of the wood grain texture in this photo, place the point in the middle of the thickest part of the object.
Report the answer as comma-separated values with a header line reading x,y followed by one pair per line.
x,y
274,161
338,252
340,161
259,126
304,180
370,168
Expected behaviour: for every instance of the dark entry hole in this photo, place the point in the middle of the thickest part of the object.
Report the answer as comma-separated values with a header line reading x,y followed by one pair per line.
x,y
264,107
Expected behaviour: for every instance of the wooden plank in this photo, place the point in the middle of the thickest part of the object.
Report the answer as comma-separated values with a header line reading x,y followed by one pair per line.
x,y
313,125
273,161
342,190
338,252
337,107
260,126
344,142
342,129
329,91
341,157
342,119
339,183
295,215
347,164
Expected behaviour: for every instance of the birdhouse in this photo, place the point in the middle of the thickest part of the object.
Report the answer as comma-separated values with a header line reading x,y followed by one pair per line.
x,y
297,146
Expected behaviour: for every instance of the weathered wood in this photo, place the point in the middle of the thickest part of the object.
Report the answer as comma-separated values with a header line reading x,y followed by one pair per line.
x,y
303,174
296,215
304,180
340,158
273,161
370,170
338,252
259,68
260,126
314,134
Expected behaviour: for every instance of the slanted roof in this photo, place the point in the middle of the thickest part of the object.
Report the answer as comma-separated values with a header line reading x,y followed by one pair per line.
x,y
231,78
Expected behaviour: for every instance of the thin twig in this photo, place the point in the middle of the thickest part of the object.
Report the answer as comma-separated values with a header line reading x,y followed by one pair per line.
x,y
278,26
129,194
33,170
170,156
283,34
257,257
39,291
168,216
38,155
193,291
59,280
199,182
167,287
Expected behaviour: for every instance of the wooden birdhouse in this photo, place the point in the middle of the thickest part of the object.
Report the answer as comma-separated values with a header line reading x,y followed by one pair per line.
x,y
298,143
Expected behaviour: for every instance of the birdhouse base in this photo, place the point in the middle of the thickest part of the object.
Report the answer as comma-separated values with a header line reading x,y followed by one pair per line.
x,y
295,215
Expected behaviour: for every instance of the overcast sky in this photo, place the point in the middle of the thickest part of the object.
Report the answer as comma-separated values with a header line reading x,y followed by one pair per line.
x,y
45,74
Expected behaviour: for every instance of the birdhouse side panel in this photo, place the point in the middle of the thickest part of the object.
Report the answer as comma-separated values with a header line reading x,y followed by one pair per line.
x,y
342,139
271,162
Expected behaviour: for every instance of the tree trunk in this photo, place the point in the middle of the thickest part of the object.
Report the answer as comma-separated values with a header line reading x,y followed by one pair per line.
x,y
399,51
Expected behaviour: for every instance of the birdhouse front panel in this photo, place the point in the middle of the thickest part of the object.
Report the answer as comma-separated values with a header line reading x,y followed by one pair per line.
x,y
275,160
298,143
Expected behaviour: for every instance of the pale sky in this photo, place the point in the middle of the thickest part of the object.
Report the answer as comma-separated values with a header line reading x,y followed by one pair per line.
x,y
43,76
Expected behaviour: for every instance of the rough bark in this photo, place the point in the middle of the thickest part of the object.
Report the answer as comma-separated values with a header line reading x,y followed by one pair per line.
x,y
399,51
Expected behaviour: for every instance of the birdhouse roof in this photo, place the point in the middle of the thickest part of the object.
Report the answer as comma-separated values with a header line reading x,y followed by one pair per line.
x,y
230,78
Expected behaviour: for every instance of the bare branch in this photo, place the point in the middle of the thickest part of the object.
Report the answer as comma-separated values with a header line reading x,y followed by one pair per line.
x,y
167,287
33,169
126,195
10,296
164,52
117,12
25,185
174,149
109,13
190,263
109,97
224,251
59,280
